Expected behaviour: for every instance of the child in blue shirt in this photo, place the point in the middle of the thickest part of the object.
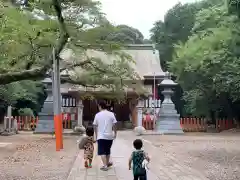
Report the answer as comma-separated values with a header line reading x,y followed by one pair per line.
x,y
137,159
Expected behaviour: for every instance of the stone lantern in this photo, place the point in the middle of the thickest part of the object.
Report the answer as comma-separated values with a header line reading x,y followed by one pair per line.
x,y
139,129
46,116
168,121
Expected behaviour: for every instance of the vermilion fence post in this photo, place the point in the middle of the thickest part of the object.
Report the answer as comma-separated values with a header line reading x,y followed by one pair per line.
x,y
227,124
200,125
223,124
182,124
190,124
186,122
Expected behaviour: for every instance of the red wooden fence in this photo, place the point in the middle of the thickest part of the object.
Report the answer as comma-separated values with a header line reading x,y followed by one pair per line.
x,y
200,124
225,124
28,123
194,124
188,124
66,121
148,124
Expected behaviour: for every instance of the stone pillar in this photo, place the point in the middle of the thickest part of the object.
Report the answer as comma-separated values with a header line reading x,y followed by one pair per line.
x,y
10,126
139,129
168,121
139,115
79,127
8,119
46,116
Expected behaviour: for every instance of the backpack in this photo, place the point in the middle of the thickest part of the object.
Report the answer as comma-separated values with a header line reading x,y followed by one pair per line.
x,y
82,142
138,158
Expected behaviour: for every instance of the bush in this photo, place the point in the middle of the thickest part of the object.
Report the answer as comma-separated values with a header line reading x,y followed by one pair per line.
x,y
26,112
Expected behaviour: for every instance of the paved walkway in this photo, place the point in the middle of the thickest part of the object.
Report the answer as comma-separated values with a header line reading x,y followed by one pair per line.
x,y
162,166
4,144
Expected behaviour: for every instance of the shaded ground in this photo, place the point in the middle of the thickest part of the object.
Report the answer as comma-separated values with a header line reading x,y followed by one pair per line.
x,y
33,157
217,156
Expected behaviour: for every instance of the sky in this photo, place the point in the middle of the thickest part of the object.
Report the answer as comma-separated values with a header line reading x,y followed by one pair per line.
x,y
140,14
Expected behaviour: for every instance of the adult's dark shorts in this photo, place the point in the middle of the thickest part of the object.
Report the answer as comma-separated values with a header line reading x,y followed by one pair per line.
x,y
104,146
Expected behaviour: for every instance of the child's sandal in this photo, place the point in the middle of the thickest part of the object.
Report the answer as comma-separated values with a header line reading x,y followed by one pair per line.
x,y
86,164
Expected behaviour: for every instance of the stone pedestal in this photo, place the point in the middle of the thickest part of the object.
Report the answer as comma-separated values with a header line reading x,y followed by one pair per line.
x,y
127,124
168,121
46,116
139,129
79,127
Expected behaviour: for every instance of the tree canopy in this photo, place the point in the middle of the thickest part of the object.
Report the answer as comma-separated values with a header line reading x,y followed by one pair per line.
x,y
202,52
30,33
31,29
176,27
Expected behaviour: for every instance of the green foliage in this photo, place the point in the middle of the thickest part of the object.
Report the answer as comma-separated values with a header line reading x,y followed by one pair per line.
x,y
28,35
176,27
24,40
25,112
129,35
206,66
24,94
121,34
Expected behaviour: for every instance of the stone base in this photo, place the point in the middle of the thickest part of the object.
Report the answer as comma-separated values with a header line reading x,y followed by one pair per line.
x,y
46,118
127,125
79,129
139,130
7,133
74,123
168,125
45,127
170,132
70,132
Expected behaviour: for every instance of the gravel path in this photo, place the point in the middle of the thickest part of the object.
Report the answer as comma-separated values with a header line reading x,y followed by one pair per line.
x,y
216,156
36,158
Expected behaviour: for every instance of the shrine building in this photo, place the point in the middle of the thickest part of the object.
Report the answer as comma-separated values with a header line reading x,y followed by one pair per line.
x,y
81,111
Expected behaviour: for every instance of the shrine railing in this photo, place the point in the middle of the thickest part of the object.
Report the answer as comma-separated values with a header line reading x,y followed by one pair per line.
x,y
29,123
148,124
201,124
190,124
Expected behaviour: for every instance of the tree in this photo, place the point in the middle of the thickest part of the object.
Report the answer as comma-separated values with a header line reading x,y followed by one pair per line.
x,y
80,15
121,34
20,36
206,66
176,27
28,35
133,35
24,94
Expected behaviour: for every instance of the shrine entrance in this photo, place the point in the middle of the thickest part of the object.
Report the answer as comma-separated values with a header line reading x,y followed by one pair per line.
x,y
90,108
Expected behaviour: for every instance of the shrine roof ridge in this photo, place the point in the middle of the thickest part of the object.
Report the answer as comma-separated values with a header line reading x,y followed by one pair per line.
x,y
146,57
